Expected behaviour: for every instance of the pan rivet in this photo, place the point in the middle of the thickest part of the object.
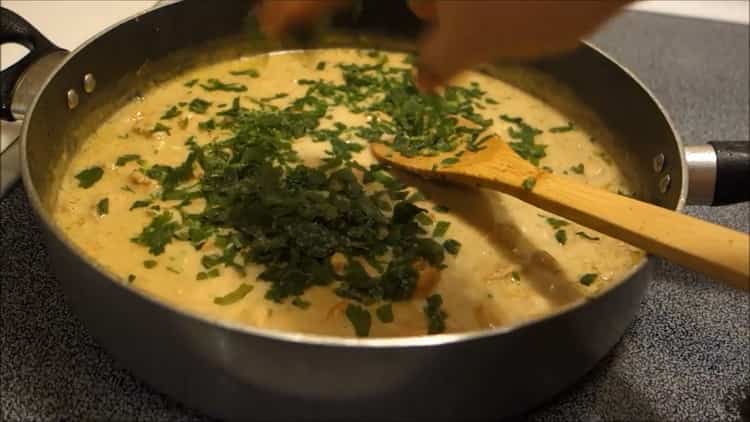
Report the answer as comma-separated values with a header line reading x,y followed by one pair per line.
x,y
89,83
658,163
72,99
664,183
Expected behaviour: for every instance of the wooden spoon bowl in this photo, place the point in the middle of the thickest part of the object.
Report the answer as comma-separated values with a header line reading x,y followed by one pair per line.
x,y
696,244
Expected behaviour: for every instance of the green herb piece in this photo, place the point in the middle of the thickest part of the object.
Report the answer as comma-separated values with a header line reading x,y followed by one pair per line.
x,y
102,207
217,85
149,263
300,303
555,223
199,105
124,159
562,129
205,275
528,184
208,125
441,208
88,177
452,246
561,236
171,113
515,275
588,279
235,295
385,313
585,236
449,161
140,204
131,278
489,100
191,83
127,188
161,128
441,228
173,270
247,72
158,233
320,66
423,219
360,319
435,314
416,197
525,145
577,169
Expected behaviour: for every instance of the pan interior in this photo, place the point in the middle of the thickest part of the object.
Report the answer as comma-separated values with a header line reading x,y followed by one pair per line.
x,y
543,88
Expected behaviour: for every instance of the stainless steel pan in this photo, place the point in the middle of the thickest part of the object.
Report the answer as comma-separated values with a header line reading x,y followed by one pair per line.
x,y
244,373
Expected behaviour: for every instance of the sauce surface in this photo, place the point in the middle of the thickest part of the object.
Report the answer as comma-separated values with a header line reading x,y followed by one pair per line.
x,y
513,264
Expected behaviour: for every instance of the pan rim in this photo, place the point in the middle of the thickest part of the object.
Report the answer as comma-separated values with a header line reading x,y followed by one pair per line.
x,y
316,339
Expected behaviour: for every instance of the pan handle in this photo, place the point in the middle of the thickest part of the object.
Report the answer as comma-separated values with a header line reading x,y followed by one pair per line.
x,y
718,172
15,29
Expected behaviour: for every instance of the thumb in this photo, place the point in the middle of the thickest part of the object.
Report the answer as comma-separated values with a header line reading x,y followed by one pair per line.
x,y
442,55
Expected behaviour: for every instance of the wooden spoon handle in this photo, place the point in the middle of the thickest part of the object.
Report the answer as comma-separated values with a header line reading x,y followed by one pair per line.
x,y
714,250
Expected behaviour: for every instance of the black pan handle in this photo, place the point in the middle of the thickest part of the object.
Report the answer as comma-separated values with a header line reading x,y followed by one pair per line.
x,y
732,172
15,29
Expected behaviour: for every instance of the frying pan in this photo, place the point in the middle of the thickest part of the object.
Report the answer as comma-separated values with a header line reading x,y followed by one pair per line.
x,y
237,372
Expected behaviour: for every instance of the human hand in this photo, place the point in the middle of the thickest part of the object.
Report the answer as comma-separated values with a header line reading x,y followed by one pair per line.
x,y
468,32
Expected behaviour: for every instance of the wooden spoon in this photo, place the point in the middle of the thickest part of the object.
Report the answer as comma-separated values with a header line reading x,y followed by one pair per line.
x,y
708,248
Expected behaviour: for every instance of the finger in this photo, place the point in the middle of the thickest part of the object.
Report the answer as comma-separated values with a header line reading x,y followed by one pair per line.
x,y
278,16
424,9
470,32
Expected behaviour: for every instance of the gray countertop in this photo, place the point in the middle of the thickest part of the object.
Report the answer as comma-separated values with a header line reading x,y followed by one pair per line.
x,y
686,356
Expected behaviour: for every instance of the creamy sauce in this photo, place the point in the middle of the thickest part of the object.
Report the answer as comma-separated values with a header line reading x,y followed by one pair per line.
x,y
511,268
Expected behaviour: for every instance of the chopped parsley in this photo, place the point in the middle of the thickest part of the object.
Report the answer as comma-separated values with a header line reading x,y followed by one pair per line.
x,y
385,313
449,161
199,105
143,203
524,135
588,279
586,236
88,177
556,223
561,236
300,303
208,125
435,314
149,263
235,295
441,228
161,128
102,207
515,276
360,319
158,233
528,184
124,159
452,246
171,113
217,85
205,275
562,129
577,169
131,278
191,83
416,197
320,66
247,72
